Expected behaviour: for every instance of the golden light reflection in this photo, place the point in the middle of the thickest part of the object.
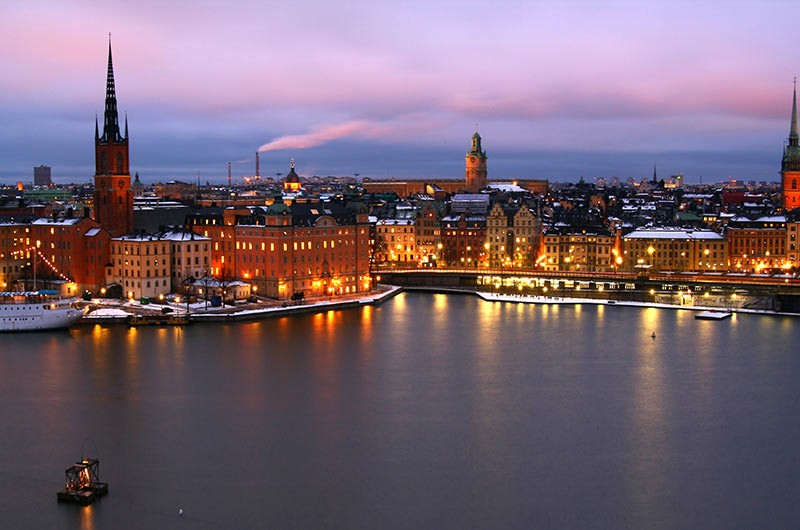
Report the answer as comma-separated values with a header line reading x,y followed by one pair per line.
x,y
87,518
650,435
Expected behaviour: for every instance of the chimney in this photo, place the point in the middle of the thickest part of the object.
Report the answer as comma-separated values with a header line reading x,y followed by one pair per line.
x,y
229,174
258,169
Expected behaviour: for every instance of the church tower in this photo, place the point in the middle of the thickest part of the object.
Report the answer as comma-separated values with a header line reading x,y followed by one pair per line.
x,y
476,166
113,197
790,166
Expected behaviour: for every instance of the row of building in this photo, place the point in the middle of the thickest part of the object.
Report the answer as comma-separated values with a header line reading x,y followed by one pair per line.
x,y
285,242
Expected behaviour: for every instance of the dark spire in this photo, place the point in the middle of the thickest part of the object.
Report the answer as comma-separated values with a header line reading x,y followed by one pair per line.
x,y
793,137
96,128
791,153
126,125
111,118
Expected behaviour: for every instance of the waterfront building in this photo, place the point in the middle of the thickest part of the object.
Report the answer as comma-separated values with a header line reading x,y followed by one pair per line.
x,y
14,239
314,248
513,236
429,233
463,239
395,242
790,165
475,166
792,240
218,224
140,264
190,256
588,248
675,249
113,197
71,248
757,244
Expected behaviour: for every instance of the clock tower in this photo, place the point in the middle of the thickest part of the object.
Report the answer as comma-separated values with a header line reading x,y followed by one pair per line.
x,y
113,197
476,166
790,165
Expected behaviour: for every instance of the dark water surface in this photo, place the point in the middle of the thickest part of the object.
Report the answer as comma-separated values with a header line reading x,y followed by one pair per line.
x,y
429,411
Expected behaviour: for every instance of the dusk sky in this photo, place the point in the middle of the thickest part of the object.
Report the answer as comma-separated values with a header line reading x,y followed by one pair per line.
x,y
558,89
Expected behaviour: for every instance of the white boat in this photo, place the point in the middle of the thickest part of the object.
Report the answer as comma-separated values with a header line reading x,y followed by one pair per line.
x,y
35,310
712,315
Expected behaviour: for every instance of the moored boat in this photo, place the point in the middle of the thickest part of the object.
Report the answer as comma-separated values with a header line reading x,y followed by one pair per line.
x,y
37,310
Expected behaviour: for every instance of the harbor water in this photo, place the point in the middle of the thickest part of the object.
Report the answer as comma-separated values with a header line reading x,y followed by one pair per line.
x,y
428,411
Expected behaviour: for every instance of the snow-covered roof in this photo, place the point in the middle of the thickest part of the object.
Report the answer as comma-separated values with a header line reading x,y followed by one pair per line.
x,y
673,233
61,221
183,235
92,232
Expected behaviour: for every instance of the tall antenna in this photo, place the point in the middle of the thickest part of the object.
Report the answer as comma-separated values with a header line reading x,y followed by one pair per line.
x,y
258,169
229,174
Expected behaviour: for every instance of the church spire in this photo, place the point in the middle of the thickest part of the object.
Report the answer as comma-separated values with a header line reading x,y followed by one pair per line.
x,y
793,136
111,118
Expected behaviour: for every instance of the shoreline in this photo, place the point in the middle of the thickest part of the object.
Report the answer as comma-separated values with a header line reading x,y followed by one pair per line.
x,y
559,300
127,313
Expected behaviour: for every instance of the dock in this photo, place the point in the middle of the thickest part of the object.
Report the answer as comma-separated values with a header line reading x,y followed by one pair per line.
x,y
159,320
712,315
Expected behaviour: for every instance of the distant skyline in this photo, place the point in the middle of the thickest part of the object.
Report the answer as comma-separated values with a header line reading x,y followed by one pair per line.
x,y
558,89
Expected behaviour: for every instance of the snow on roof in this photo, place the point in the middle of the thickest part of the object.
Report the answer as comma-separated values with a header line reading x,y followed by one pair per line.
x,y
506,187
670,233
57,222
92,232
396,222
183,235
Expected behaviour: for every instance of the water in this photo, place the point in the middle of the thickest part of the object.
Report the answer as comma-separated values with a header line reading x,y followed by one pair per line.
x,y
429,411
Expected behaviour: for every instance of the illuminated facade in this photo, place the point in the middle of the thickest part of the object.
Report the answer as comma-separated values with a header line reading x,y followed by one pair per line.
x,y
14,239
463,239
569,248
429,234
395,242
513,236
672,249
190,257
757,244
314,248
140,265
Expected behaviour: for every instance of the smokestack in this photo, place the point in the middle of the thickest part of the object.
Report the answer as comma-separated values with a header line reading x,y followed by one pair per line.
x,y
229,174
258,170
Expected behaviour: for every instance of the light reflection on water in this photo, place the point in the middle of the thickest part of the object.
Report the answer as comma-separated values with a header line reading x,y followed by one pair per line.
x,y
426,409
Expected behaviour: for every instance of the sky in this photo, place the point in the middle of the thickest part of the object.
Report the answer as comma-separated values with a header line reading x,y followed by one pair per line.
x,y
558,89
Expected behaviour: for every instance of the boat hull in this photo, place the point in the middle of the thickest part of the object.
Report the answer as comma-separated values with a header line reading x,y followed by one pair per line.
x,y
35,316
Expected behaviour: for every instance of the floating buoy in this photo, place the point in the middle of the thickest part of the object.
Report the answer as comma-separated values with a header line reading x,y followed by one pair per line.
x,y
653,335
180,512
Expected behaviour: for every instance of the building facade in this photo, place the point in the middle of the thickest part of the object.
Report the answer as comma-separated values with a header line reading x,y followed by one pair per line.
x,y
678,250
513,236
140,264
757,244
463,240
395,242
588,249
190,257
